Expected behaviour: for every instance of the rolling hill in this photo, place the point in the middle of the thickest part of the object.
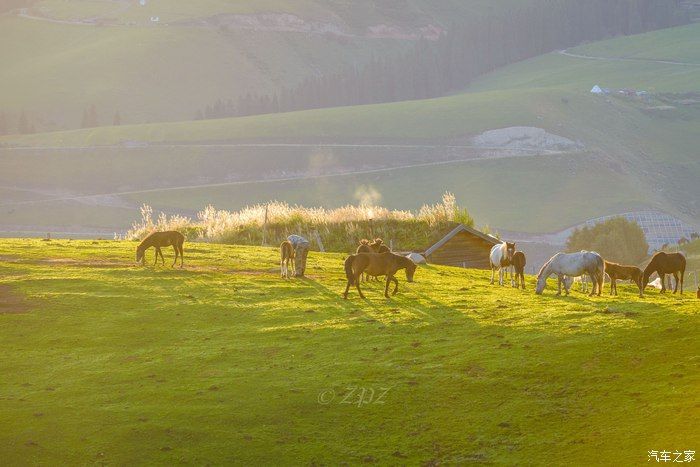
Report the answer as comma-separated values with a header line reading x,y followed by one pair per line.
x,y
61,57
636,152
225,363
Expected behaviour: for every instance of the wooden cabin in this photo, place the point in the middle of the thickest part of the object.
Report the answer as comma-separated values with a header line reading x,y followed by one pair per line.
x,y
463,247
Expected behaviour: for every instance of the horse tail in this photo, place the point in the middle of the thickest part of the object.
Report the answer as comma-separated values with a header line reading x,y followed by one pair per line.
x,y
601,269
348,269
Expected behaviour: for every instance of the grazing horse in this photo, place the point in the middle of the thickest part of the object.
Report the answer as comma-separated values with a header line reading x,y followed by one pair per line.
x,y
519,262
500,258
666,263
380,264
159,240
618,271
286,258
574,265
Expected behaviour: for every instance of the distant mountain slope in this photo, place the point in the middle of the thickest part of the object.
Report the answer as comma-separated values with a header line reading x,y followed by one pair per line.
x,y
636,152
169,59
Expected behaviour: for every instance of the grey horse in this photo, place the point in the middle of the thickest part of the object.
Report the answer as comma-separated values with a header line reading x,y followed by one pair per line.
x,y
573,265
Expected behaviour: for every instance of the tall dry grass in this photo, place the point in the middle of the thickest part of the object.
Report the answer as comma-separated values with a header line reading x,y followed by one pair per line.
x,y
339,229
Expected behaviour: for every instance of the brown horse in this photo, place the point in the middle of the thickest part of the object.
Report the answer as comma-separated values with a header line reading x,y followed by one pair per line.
x,y
382,264
286,258
518,263
665,263
159,240
364,247
378,246
621,272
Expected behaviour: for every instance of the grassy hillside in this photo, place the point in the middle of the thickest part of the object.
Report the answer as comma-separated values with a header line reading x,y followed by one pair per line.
x,y
637,154
224,362
62,56
55,71
512,94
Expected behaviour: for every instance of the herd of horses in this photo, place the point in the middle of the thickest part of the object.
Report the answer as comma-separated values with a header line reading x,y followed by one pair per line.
x,y
375,259
587,264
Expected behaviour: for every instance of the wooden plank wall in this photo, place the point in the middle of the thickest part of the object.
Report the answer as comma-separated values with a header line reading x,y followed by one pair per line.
x,y
464,249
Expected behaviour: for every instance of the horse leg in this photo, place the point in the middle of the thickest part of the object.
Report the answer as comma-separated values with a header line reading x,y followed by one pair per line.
x,y
492,274
347,289
522,279
675,279
640,286
386,286
682,276
182,256
396,285
594,280
357,285
500,277
663,282
176,253
558,284
156,261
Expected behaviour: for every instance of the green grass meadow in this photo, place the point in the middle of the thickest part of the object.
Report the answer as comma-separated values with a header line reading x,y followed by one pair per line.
x,y
106,362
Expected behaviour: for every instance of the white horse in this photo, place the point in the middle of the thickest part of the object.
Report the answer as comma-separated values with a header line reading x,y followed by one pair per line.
x,y
501,258
573,265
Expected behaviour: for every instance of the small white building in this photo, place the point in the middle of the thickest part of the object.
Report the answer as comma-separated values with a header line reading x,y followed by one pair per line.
x,y
597,90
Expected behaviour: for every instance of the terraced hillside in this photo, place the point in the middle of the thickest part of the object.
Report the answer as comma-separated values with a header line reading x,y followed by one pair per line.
x,y
224,362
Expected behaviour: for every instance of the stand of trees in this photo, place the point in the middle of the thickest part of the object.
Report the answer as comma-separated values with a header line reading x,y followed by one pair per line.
x,y
473,46
618,240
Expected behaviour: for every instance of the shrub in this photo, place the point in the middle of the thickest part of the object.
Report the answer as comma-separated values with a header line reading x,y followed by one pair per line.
x,y
617,239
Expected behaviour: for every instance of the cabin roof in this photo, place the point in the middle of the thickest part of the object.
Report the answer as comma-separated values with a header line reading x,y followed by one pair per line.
x,y
461,228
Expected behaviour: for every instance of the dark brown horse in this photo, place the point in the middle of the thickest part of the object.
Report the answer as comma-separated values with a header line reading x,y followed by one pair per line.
x,y
382,264
159,240
666,263
286,258
518,263
621,272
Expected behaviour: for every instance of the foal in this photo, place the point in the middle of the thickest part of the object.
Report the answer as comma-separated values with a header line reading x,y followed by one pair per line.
x,y
518,263
286,258
158,240
618,271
